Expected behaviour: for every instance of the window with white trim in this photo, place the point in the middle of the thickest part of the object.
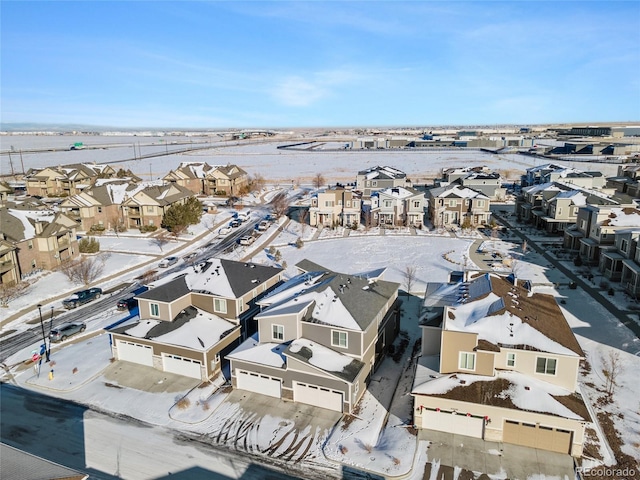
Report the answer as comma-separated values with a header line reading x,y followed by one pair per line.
x,y
467,361
220,305
511,359
277,332
154,309
338,338
546,366
453,203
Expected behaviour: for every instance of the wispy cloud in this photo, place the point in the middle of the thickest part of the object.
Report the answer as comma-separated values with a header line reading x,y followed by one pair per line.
x,y
303,91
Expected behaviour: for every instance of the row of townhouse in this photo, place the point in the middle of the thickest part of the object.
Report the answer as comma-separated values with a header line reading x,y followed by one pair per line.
x,y
499,363
315,338
204,179
555,195
33,237
383,197
198,177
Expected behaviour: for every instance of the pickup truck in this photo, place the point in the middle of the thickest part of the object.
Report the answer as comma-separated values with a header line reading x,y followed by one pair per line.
x,y
81,297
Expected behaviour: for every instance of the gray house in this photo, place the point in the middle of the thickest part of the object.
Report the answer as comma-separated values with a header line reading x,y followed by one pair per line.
x,y
379,178
320,336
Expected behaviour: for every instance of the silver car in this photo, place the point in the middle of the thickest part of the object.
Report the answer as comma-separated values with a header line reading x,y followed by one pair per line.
x,y
64,331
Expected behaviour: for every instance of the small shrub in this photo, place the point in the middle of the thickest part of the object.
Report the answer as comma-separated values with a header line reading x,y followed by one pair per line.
x,y
343,449
89,245
205,406
148,228
299,243
75,370
183,403
272,250
97,229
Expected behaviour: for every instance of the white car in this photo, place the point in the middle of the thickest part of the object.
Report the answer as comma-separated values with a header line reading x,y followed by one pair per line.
x,y
224,231
246,240
167,262
263,225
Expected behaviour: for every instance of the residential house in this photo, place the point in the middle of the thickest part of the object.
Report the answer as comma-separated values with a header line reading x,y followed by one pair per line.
x,y
379,178
552,172
66,180
457,205
613,259
338,206
5,191
228,180
147,205
595,230
320,336
191,175
9,269
501,364
627,180
480,179
398,206
187,323
43,239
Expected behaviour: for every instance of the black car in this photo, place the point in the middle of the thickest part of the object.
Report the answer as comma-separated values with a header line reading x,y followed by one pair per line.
x,y
127,303
82,297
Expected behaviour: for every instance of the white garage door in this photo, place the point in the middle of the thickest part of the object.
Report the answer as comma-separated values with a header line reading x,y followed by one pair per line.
x,y
181,366
134,352
317,396
258,383
448,422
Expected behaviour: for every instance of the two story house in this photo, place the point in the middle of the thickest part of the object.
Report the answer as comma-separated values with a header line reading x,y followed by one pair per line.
x,y
457,205
147,206
9,270
627,180
43,239
501,364
187,323
320,336
65,180
191,175
620,256
398,206
228,180
552,172
480,179
379,178
338,206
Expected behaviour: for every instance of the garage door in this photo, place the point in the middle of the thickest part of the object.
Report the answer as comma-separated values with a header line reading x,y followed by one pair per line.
x,y
317,396
258,383
181,366
134,352
448,422
537,436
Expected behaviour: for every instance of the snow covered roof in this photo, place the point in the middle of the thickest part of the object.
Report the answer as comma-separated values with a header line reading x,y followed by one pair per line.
x,y
623,217
456,190
382,172
576,196
504,314
192,328
328,360
509,389
341,300
399,192
269,354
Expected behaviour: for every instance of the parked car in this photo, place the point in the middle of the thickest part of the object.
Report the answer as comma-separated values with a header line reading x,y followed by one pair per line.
x,y
82,297
244,216
127,303
167,262
235,223
190,256
246,240
224,231
64,331
263,225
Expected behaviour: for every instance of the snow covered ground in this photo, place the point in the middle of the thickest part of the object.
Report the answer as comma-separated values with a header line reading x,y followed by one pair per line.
x,y
366,441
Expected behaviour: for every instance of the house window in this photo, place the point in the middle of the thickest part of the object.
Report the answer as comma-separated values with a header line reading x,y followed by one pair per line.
x,y
30,244
277,332
338,338
480,203
155,309
467,361
560,211
387,203
150,209
348,204
546,366
99,209
374,183
356,388
33,264
220,305
511,359
416,204
453,203
583,224
623,245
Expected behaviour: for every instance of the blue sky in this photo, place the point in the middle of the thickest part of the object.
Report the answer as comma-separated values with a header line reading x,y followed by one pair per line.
x,y
319,64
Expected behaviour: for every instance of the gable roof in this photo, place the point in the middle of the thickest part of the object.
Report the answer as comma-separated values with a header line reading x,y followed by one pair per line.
x,y
323,358
382,173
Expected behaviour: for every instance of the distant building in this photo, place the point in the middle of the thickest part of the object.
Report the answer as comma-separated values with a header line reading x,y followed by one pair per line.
x,y
379,178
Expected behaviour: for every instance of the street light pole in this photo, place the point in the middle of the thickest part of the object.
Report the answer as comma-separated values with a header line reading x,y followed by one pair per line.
x,y
44,338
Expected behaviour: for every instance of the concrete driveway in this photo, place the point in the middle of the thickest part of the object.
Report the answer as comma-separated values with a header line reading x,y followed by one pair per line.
x,y
448,452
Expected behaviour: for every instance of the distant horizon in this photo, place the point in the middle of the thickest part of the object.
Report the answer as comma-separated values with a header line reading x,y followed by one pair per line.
x,y
34,127
217,64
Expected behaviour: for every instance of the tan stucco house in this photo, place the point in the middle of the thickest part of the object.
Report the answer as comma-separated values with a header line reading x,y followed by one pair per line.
x,y
337,206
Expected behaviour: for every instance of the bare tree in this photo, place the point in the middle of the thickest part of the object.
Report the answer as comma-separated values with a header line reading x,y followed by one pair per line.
x,y
256,182
9,292
280,204
611,369
86,270
409,277
160,240
303,217
318,180
117,225
209,222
